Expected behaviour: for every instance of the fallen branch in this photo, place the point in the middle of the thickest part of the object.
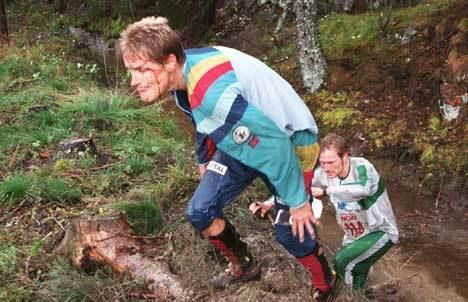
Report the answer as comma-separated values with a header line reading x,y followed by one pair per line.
x,y
440,191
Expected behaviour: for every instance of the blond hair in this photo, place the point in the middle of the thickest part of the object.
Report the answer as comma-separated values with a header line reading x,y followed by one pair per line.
x,y
152,38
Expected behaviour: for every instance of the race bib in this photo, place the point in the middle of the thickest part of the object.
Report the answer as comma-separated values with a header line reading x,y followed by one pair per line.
x,y
217,167
351,225
351,218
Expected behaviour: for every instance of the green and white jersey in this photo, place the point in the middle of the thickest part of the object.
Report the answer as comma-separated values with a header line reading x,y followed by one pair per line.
x,y
360,199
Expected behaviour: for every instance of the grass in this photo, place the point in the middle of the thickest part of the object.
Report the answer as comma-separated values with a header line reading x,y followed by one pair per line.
x,y
8,257
342,33
16,189
58,190
136,165
63,283
143,216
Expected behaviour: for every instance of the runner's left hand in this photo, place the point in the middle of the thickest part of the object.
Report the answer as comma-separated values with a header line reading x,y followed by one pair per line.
x,y
316,191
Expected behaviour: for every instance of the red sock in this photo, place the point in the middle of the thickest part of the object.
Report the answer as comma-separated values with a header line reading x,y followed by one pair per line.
x,y
314,266
227,253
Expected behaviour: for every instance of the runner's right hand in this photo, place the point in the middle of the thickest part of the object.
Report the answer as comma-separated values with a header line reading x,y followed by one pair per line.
x,y
260,207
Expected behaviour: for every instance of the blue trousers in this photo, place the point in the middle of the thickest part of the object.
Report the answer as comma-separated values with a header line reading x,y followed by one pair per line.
x,y
223,181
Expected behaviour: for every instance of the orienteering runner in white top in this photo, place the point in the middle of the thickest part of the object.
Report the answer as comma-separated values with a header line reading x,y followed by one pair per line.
x,y
363,209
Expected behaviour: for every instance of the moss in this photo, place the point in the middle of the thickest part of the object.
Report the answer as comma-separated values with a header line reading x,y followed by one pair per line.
x,y
428,155
338,117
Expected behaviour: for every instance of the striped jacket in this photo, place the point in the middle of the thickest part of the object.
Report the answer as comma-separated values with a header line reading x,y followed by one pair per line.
x,y
248,111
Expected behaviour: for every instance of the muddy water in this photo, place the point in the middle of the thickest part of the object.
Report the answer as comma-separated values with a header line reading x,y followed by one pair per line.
x,y
434,243
440,240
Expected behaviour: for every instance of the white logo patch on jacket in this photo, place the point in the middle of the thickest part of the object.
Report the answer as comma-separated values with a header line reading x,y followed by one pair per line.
x,y
241,134
217,167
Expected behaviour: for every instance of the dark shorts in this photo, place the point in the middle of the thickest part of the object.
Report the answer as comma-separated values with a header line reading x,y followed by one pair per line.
x,y
224,180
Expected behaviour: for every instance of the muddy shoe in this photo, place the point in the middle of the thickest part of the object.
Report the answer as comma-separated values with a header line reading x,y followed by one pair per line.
x,y
320,296
223,280
370,294
328,296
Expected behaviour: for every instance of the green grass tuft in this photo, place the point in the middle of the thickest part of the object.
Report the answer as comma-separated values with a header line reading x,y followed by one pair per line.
x,y
15,189
144,216
59,190
136,165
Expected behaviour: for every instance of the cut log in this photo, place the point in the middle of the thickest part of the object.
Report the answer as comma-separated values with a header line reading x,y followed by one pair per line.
x,y
89,242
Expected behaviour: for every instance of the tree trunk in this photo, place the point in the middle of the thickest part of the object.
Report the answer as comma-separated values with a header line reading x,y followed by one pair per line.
x,y
111,241
3,24
313,64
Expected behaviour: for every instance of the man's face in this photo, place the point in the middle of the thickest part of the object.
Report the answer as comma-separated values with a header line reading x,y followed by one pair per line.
x,y
149,79
332,163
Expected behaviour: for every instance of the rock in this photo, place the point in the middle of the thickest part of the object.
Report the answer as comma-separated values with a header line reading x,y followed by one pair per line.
x,y
344,5
408,35
356,145
104,51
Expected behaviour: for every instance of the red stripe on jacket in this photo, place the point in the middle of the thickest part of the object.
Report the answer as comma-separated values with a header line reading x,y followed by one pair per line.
x,y
206,81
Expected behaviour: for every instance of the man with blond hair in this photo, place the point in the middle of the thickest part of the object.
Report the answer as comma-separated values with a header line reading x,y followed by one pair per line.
x,y
249,123
363,209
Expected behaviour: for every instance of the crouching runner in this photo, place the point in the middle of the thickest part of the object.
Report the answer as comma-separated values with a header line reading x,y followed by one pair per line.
x,y
363,209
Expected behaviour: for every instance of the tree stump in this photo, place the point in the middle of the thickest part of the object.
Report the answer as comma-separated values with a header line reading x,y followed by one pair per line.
x,y
76,147
111,241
